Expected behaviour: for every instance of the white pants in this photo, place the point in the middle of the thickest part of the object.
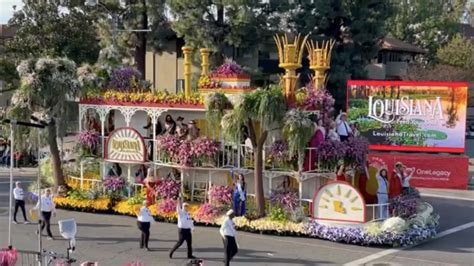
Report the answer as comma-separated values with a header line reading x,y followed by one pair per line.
x,y
382,210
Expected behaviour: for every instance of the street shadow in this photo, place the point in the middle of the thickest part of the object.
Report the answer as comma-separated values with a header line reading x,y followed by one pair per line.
x,y
117,240
252,256
102,225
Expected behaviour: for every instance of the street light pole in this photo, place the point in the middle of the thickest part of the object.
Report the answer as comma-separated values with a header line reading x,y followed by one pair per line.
x,y
12,149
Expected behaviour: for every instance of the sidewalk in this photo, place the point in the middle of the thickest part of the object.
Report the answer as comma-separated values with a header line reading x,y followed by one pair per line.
x,y
23,172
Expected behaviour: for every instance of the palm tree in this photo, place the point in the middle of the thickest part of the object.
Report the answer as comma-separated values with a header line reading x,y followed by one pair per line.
x,y
265,107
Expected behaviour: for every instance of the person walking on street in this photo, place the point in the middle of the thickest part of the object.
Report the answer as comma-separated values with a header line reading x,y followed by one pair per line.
x,y
47,209
185,226
144,220
228,233
19,196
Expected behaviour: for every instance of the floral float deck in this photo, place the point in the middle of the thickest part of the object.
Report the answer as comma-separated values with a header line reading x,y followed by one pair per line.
x,y
407,228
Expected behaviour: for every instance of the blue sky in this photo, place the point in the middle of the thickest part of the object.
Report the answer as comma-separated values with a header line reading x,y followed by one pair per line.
x,y
6,9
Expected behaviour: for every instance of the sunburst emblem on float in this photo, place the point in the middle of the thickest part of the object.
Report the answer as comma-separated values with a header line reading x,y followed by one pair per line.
x,y
125,144
339,201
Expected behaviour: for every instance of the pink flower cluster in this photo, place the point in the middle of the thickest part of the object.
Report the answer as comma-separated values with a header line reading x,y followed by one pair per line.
x,y
206,214
229,68
167,206
8,257
89,139
168,189
319,99
220,195
183,151
114,183
205,147
331,151
287,200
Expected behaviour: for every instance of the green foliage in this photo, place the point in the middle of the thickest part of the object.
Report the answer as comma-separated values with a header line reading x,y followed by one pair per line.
x,y
426,23
137,199
216,105
277,214
298,130
411,136
200,25
76,195
459,52
44,29
357,27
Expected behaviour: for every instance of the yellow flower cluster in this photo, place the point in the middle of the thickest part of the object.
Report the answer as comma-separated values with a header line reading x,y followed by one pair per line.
x,y
76,184
124,208
149,97
264,224
102,204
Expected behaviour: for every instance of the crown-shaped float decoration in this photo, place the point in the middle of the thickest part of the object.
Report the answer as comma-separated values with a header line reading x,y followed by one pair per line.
x,y
290,56
319,55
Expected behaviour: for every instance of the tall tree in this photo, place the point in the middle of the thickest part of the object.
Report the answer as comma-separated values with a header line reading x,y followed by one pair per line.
x,y
218,24
459,52
46,28
140,25
427,23
356,26
46,86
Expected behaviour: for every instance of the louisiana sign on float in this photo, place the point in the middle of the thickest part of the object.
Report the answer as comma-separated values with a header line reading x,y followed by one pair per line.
x,y
409,116
125,145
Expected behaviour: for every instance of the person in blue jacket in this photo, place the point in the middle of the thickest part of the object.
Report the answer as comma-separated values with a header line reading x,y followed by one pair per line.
x,y
240,196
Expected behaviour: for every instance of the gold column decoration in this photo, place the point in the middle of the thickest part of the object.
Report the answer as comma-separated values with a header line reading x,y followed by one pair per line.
x,y
187,71
205,61
290,56
320,60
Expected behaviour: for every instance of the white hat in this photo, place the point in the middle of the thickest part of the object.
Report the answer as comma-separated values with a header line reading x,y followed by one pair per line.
x,y
229,212
185,204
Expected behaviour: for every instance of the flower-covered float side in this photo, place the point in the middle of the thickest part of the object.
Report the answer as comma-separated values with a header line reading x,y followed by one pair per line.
x,y
228,78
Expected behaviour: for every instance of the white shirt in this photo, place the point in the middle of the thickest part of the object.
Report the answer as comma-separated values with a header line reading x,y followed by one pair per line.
x,y
241,192
145,215
227,228
383,185
332,135
343,128
405,180
184,219
47,204
18,193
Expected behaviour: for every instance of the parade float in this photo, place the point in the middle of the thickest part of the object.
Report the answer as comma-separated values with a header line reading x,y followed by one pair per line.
x,y
121,122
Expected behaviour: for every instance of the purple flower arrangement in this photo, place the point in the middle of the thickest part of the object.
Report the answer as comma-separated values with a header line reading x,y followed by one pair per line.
x,y
168,189
183,151
279,150
166,206
405,205
124,79
89,139
330,152
359,236
357,149
319,99
220,195
206,214
228,69
114,183
287,200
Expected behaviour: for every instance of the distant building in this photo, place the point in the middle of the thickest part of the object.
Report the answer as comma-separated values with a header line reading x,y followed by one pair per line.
x,y
392,60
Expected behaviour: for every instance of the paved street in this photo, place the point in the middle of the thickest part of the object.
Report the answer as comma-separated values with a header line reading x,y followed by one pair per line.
x,y
112,240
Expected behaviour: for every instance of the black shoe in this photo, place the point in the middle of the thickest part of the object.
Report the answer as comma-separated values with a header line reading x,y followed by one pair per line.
x,y
171,255
191,257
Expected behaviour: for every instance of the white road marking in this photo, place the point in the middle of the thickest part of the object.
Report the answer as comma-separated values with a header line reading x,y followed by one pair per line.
x,y
445,197
387,252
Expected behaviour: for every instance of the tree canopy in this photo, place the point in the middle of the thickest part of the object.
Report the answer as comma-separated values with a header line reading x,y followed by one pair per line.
x,y
426,23
459,52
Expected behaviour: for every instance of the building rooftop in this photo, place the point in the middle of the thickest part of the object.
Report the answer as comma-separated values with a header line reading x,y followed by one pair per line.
x,y
392,44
